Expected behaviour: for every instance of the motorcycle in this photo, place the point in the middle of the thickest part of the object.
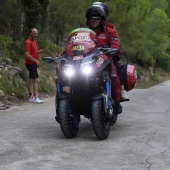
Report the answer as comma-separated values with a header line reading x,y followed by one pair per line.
x,y
85,70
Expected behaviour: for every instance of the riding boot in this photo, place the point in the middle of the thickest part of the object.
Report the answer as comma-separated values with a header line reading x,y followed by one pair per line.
x,y
118,108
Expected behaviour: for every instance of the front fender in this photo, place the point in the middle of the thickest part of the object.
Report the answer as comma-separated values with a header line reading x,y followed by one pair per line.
x,y
105,97
63,95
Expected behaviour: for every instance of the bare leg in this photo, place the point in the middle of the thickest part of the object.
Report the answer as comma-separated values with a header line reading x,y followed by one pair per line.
x,y
35,87
35,91
31,87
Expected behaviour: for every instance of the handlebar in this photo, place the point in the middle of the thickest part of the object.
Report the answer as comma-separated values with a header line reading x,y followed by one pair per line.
x,y
50,59
108,50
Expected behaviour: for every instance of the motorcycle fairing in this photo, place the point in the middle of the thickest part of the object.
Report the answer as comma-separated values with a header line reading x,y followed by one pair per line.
x,y
81,39
81,51
87,59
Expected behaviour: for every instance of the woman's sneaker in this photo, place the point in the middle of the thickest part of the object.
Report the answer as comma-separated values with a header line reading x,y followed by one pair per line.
x,y
37,100
124,96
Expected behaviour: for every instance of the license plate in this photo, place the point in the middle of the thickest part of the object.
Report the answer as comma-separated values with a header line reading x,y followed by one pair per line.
x,y
79,57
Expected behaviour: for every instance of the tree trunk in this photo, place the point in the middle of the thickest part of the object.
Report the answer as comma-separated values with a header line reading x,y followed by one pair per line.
x,y
57,31
17,21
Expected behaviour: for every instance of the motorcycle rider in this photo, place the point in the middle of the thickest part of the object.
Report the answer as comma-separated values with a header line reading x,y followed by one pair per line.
x,y
106,36
124,95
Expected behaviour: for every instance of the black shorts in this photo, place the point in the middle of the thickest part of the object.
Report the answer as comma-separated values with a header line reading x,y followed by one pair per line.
x,y
33,71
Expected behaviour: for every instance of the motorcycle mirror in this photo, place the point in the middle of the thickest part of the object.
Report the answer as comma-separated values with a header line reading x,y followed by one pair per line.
x,y
48,59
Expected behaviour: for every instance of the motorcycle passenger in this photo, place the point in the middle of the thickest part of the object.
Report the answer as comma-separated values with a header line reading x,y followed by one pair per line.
x,y
124,95
106,36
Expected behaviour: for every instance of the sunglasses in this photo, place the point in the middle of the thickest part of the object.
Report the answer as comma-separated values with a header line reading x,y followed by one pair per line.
x,y
95,17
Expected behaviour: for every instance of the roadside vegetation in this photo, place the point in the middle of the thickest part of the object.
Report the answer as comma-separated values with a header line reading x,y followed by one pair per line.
x,y
143,27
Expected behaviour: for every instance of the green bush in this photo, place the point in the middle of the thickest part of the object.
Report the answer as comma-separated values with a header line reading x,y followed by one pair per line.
x,y
139,73
24,73
163,61
49,48
155,78
17,51
12,85
5,43
45,85
5,46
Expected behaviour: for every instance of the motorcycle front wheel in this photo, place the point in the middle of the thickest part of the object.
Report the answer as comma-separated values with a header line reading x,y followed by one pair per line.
x,y
101,126
68,118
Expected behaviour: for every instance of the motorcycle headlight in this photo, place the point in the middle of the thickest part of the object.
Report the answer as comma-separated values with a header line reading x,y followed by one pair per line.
x,y
87,70
69,72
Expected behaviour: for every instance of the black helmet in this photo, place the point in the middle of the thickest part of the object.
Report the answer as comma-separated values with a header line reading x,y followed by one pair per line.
x,y
105,7
98,9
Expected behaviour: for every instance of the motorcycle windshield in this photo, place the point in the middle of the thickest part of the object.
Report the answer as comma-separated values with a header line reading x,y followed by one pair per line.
x,y
80,41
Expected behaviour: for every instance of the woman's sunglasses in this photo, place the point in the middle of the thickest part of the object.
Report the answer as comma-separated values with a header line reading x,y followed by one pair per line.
x,y
95,17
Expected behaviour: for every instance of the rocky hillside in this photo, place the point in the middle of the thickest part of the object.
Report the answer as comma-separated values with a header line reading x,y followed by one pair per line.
x,y
146,79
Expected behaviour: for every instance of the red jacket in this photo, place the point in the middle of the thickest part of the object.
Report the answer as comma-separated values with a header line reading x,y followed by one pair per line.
x,y
108,37
110,25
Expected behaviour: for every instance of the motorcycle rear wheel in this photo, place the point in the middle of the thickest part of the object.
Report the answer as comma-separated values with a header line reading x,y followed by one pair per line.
x,y
101,126
69,122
